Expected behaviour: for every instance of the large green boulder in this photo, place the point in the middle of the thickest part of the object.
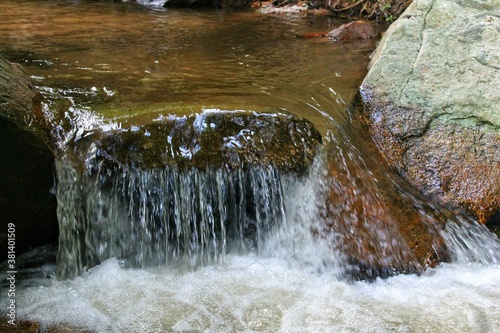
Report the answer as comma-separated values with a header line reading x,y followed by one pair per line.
x,y
432,98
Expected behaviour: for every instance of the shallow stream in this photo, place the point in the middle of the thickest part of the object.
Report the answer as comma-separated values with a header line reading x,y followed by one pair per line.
x,y
121,65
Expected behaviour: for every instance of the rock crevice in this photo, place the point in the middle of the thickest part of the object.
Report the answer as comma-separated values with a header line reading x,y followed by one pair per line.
x,y
419,50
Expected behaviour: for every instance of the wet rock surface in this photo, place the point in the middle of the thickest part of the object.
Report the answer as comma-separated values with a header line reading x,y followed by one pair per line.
x,y
182,190
229,140
382,236
26,173
432,100
381,225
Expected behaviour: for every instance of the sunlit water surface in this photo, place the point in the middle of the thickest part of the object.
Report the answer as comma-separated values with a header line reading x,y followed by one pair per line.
x,y
122,64
127,61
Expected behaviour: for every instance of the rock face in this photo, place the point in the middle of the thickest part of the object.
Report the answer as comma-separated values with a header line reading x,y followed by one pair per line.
x,y
433,102
209,140
26,174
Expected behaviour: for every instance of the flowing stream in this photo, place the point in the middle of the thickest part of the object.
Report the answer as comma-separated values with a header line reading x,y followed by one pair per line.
x,y
222,250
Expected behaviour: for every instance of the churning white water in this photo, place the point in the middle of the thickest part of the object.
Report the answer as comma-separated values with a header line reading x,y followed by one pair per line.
x,y
252,294
292,285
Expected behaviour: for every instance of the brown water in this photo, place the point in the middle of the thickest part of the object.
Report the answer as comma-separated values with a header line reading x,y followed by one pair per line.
x,y
123,60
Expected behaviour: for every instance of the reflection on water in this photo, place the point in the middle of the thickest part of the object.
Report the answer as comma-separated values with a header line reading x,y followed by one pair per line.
x,y
140,60
111,64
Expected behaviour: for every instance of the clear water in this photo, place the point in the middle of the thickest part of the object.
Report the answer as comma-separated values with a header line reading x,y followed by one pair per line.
x,y
107,65
131,63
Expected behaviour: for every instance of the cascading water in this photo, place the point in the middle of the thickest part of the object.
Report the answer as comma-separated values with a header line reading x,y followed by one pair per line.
x,y
190,217
245,250
182,191
250,249
254,249
287,278
160,217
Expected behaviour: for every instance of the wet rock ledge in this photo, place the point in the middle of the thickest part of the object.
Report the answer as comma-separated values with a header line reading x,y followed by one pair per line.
x,y
432,99
212,139
182,190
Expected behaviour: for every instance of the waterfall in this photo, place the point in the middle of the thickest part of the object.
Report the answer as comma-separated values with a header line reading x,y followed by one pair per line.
x,y
151,196
259,249
468,241
163,216
160,216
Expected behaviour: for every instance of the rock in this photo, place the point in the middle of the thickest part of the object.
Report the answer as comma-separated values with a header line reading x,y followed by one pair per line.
x,y
34,327
380,225
181,190
19,327
353,31
26,169
312,35
212,139
431,96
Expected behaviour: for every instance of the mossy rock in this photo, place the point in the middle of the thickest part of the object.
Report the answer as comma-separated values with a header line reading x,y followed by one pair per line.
x,y
211,139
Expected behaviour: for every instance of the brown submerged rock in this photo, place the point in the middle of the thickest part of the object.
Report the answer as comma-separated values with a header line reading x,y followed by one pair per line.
x,y
383,228
26,174
19,326
33,327
353,31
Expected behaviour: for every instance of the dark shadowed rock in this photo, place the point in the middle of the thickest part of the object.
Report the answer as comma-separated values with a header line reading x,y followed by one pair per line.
x,y
432,98
26,174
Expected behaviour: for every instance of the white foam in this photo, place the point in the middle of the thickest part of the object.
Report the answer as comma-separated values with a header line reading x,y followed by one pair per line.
x,y
283,10
152,3
251,294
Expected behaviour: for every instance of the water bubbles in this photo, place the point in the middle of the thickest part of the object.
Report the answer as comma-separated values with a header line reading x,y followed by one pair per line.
x,y
108,92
